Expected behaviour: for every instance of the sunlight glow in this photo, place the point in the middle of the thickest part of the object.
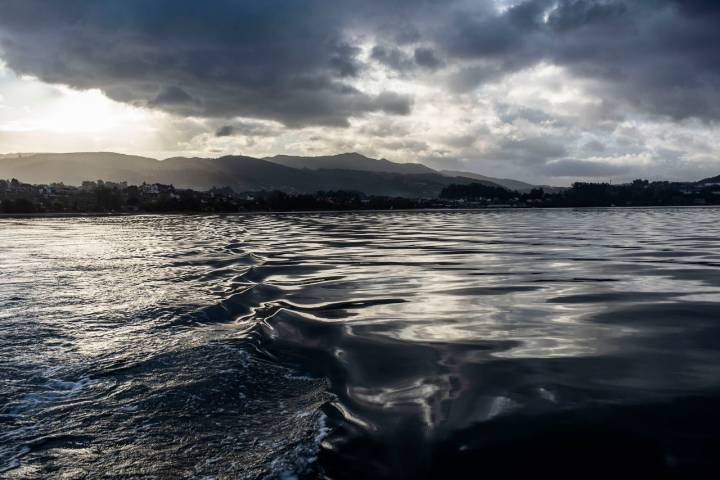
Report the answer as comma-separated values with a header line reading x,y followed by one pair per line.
x,y
73,111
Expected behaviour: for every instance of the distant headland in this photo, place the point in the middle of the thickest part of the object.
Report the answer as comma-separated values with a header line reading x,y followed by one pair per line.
x,y
119,197
75,183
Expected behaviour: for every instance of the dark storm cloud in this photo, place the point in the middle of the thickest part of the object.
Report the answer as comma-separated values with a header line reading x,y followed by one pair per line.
x,y
225,131
296,62
247,128
400,61
660,56
426,57
484,36
171,95
654,55
275,59
392,57
571,15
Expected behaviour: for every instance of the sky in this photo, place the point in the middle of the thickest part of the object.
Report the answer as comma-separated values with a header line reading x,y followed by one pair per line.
x,y
546,91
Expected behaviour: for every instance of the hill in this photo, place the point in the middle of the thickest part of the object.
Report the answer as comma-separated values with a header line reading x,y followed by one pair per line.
x,y
710,180
350,161
508,183
241,173
74,168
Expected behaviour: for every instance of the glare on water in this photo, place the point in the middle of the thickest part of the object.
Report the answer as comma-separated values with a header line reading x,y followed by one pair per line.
x,y
242,346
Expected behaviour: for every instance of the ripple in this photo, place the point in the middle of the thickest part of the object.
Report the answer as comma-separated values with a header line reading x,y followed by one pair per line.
x,y
366,345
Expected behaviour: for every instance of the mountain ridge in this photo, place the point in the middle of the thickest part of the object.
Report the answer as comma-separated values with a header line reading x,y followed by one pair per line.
x,y
349,161
241,173
508,183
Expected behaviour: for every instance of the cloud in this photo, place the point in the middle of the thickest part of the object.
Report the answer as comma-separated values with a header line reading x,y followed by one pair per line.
x,y
392,57
401,61
583,168
547,88
280,60
511,113
225,131
248,128
426,57
300,63
659,56
171,95
594,146
528,151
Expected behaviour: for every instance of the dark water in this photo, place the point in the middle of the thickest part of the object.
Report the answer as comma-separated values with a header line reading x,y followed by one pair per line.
x,y
362,345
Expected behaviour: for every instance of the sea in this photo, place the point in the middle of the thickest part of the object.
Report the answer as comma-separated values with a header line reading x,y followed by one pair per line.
x,y
509,343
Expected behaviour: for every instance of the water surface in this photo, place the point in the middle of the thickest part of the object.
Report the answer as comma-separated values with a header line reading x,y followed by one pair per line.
x,y
368,345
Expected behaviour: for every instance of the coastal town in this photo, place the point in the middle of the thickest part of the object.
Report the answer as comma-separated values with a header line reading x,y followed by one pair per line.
x,y
98,196
118,197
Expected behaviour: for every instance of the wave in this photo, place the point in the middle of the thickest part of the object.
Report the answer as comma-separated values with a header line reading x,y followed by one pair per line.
x,y
403,345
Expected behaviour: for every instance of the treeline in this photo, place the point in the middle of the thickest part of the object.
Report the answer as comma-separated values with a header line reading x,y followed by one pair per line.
x,y
477,192
637,193
18,205
584,194
106,197
333,200
166,199
277,201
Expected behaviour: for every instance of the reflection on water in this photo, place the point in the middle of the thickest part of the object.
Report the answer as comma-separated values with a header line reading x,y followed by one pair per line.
x,y
398,345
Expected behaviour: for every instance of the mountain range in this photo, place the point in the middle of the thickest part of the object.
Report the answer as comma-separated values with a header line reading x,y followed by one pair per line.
x,y
346,171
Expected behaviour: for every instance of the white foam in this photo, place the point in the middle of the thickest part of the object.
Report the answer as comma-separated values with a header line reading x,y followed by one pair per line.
x,y
301,457
501,405
547,395
58,389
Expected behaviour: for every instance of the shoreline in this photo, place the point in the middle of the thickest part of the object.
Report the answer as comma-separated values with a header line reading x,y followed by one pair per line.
x,y
309,212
